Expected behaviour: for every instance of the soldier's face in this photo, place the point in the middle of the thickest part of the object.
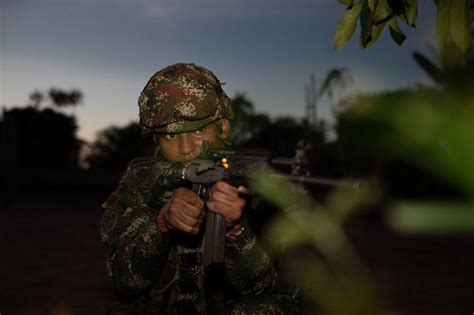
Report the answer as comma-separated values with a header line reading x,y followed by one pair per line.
x,y
186,146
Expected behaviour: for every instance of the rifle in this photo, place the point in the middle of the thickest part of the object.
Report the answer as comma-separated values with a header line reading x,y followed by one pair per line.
x,y
236,167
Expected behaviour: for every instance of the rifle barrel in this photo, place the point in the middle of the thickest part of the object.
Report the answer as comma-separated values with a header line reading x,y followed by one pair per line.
x,y
319,180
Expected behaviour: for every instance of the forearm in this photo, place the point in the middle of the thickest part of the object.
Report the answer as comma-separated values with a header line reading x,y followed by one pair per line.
x,y
136,249
248,267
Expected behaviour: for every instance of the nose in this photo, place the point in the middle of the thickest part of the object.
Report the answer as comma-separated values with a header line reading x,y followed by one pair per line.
x,y
186,144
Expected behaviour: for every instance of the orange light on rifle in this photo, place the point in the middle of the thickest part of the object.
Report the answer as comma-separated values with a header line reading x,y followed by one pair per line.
x,y
225,163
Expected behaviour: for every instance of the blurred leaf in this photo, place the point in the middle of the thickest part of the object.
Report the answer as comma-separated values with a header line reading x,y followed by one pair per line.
x,y
432,217
433,133
434,72
365,23
444,140
346,25
442,23
345,200
460,21
340,274
330,288
453,57
306,221
395,31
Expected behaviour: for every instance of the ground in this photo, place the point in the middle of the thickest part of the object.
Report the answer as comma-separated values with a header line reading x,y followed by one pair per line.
x,y
52,258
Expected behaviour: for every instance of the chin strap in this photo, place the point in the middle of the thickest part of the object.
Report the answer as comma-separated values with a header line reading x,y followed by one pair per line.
x,y
157,151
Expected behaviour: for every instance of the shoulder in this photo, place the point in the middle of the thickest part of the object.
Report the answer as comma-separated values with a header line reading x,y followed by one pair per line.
x,y
134,184
139,169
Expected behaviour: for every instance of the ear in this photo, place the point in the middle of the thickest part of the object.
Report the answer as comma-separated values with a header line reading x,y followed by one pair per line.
x,y
225,123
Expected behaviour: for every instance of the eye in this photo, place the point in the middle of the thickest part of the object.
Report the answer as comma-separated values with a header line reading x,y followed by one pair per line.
x,y
170,136
199,131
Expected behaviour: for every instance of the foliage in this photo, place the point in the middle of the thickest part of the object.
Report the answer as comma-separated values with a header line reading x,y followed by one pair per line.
x,y
36,98
429,129
426,128
281,135
246,122
61,98
447,72
33,138
453,21
338,274
116,146
337,78
58,97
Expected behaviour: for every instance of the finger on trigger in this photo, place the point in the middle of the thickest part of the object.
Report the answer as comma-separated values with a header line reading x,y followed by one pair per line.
x,y
224,187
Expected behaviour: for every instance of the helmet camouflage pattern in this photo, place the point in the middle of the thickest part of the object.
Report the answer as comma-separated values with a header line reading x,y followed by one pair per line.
x,y
181,98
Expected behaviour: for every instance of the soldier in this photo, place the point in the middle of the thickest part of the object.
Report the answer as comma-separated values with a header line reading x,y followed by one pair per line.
x,y
154,251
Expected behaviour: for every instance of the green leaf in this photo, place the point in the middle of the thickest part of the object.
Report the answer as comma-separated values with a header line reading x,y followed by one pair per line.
x,y
347,2
442,23
432,217
460,24
346,25
372,5
395,31
382,13
376,31
365,23
411,12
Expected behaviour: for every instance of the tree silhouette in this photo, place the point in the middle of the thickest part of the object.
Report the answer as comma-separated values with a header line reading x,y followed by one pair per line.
x,y
36,98
61,98
337,78
116,146
33,138
41,138
247,122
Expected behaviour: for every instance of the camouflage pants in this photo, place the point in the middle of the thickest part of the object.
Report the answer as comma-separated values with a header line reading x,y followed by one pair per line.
x,y
266,304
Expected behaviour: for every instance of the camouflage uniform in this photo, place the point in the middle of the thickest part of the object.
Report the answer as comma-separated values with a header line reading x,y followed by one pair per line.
x,y
157,272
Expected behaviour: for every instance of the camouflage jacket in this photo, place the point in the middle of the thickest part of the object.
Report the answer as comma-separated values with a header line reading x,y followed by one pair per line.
x,y
161,273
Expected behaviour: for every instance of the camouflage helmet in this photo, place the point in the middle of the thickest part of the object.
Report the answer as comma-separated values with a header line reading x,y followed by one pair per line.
x,y
181,98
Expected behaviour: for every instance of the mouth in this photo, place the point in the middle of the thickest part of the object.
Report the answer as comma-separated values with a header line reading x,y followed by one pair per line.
x,y
187,160
189,157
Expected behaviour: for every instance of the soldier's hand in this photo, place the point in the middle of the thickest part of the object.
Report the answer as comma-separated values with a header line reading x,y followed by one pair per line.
x,y
184,212
224,199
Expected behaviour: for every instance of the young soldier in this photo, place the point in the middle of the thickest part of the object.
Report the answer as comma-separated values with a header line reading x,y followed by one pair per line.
x,y
154,249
